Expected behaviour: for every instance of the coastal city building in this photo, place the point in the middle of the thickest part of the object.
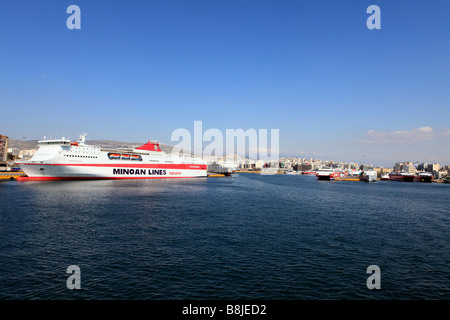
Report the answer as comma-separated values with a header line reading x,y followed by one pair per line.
x,y
9,153
433,167
3,150
386,170
407,167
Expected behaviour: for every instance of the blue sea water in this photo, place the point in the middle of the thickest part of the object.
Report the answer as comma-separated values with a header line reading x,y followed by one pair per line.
x,y
242,237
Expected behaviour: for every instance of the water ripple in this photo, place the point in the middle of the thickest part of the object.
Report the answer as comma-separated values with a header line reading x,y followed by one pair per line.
x,y
245,237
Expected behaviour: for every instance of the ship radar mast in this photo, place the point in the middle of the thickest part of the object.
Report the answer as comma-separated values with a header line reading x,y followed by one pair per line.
x,y
82,139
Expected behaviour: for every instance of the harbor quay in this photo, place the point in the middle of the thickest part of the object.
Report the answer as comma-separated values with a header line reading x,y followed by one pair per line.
x,y
344,171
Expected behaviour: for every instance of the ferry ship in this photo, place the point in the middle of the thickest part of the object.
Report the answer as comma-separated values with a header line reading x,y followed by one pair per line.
x,y
225,168
423,177
384,177
327,174
401,176
62,159
369,175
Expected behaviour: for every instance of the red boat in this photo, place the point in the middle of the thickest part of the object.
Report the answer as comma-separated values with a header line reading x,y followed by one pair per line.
x,y
401,176
423,177
327,174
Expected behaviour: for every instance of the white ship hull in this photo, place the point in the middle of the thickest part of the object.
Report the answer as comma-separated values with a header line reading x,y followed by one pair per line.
x,y
119,171
222,168
63,160
328,174
369,176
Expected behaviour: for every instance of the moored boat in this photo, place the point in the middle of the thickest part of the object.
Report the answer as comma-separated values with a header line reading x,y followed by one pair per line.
x,y
225,168
327,174
61,159
369,175
401,176
423,177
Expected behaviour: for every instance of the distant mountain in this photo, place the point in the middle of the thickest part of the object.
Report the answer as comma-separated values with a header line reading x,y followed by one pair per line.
x,y
32,144
121,144
21,144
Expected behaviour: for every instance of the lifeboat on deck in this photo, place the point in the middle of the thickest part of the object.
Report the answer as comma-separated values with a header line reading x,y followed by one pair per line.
x,y
114,156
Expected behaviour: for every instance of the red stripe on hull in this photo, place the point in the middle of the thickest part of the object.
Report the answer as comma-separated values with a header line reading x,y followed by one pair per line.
x,y
96,178
121,165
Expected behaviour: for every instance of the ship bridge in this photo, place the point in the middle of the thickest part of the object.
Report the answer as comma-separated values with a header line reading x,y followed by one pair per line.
x,y
62,142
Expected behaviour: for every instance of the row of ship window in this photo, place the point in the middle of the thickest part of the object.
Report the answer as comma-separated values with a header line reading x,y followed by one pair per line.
x,y
77,156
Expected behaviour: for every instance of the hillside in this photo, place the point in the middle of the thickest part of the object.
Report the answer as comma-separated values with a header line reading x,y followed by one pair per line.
x,y
32,144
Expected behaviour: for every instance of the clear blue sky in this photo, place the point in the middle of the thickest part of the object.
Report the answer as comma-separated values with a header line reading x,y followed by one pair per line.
x,y
141,69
